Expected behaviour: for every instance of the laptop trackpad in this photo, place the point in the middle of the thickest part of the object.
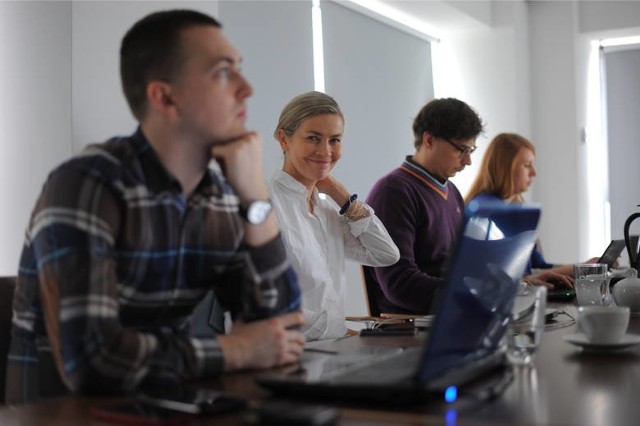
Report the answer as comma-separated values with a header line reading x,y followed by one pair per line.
x,y
398,368
318,365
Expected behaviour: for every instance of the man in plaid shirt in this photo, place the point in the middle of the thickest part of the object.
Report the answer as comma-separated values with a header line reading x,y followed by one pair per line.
x,y
127,237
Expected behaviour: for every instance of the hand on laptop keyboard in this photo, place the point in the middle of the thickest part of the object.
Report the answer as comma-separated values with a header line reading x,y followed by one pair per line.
x,y
550,279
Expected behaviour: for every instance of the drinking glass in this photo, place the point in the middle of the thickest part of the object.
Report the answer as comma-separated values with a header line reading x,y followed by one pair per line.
x,y
526,326
592,284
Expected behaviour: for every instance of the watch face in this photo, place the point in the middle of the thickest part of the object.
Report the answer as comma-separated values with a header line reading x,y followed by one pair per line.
x,y
258,211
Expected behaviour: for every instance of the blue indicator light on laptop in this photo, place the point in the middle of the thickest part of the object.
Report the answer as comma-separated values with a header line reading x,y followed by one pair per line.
x,y
451,394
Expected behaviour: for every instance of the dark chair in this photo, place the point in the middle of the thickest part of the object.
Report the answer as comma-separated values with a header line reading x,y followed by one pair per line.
x,y
372,291
7,285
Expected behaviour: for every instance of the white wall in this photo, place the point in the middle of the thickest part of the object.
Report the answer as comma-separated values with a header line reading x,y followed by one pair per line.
x,y
35,111
609,17
488,68
555,131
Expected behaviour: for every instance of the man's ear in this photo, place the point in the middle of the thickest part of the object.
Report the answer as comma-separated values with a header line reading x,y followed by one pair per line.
x,y
427,139
160,97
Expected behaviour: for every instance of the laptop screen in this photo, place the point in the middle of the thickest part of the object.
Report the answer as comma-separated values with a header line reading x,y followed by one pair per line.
x,y
490,258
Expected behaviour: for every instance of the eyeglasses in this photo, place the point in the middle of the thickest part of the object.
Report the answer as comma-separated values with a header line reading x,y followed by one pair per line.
x,y
462,148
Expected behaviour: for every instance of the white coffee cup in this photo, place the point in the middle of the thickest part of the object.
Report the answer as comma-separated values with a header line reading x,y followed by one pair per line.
x,y
603,324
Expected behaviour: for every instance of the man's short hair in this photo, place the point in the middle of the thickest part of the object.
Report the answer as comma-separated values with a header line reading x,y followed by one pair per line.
x,y
151,51
447,118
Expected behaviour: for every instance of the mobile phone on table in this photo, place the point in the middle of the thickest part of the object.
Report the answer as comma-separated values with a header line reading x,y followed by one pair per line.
x,y
138,413
373,332
612,252
191,400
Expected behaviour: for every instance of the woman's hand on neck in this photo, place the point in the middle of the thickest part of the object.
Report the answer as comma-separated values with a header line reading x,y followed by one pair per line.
x,y
334,189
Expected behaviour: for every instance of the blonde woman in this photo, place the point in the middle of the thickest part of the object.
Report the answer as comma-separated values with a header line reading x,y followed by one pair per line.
x,y
321,234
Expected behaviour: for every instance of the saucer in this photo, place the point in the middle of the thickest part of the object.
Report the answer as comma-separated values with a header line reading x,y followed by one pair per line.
x,y
579,339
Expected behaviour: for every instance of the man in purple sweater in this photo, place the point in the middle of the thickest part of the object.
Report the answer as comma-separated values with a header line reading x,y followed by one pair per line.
x,y
422,209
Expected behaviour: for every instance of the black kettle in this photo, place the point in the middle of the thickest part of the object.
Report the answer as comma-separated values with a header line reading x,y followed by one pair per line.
x,y
634,256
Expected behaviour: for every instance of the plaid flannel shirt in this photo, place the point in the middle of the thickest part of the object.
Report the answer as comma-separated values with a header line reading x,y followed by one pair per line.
x,y
114,261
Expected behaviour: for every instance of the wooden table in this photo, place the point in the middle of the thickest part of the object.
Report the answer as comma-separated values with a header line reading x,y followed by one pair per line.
x,y
566,386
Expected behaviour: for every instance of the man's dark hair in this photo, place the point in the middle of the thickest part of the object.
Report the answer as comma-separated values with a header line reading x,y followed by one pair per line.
x,y
447,118
151,51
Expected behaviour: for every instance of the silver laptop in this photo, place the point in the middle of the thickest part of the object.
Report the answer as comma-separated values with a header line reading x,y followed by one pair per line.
x,y
463,345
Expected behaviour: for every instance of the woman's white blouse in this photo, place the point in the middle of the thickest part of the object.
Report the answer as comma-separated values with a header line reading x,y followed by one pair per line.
x,y
318,245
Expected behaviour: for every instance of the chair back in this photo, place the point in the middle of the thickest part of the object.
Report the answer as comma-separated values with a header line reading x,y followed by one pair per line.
x,y
372,291
7,286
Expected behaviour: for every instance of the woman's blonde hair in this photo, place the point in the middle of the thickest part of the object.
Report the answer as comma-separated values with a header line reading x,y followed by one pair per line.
x,y
305,106
496,169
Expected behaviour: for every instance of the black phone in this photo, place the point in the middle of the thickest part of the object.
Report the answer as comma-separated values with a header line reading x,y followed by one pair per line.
x,y
612,252
138,413
191,399
373,332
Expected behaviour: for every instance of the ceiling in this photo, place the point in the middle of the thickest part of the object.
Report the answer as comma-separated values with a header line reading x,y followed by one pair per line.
x,y
446,16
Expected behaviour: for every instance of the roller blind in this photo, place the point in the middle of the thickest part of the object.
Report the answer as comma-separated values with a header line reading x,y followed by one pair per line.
x,y
275,40
622,78
381,76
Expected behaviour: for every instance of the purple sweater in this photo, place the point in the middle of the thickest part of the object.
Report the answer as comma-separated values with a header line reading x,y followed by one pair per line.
x,y
423,217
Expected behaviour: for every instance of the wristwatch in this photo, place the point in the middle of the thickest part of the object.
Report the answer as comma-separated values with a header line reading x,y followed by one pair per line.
x,y
256,212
